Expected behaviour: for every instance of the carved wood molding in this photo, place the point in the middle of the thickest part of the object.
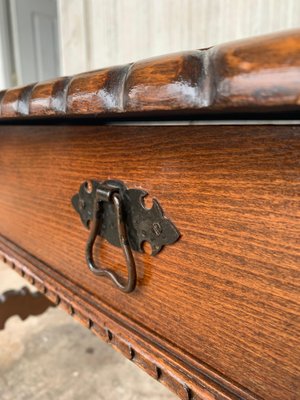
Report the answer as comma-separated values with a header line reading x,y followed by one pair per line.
x,y
185,381
254,75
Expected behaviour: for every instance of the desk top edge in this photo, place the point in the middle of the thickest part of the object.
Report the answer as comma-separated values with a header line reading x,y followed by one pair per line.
x,y
257,75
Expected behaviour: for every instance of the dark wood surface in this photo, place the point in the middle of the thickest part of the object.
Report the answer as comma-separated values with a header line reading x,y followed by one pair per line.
x,y
253,75
217,314
220,308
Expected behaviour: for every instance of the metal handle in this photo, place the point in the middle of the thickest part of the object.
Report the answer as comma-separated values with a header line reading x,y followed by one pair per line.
x,y
109,194
113,211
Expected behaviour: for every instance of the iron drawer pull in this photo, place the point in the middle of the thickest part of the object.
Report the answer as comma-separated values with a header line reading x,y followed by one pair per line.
x,y
108,194
118,214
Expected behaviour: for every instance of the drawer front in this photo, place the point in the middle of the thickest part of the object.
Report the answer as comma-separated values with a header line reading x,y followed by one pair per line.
x,y
224,299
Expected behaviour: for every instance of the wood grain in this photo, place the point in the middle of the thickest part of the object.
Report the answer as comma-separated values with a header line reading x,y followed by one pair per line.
x,y
152,359
255,75
224,300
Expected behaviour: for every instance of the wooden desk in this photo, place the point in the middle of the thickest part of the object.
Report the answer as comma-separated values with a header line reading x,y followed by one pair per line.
x,y
215,313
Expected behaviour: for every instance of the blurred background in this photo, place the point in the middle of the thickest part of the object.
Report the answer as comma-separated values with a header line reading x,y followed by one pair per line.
x,y
40,39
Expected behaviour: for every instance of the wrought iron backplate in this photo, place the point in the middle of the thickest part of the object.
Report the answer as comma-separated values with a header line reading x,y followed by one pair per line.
x,y
142,224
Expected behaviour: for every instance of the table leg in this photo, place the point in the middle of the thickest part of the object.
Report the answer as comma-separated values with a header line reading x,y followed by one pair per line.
x,y
22,302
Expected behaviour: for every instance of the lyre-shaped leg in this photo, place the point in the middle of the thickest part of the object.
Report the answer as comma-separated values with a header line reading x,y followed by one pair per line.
x,y
23,303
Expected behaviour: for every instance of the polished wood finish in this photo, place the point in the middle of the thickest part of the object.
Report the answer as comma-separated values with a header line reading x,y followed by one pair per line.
x,y
254,75
217,314
23,303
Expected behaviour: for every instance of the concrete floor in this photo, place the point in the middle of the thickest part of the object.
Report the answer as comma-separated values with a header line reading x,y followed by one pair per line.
x,y
52,357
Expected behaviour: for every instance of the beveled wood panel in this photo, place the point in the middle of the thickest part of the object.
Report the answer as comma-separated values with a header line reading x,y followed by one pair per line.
x,y
224,299
253,75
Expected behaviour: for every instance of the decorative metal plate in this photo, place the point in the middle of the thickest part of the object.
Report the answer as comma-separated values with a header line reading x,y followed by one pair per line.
x,y
143,224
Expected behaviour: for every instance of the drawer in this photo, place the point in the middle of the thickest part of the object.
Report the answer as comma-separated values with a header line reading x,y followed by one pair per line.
x,y
218,308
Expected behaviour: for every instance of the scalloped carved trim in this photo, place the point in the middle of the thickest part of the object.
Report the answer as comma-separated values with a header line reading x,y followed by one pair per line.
x,y
252,75
152,360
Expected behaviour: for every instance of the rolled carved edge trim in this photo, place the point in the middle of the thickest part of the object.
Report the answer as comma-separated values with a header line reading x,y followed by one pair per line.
x,y
257,74
182,381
